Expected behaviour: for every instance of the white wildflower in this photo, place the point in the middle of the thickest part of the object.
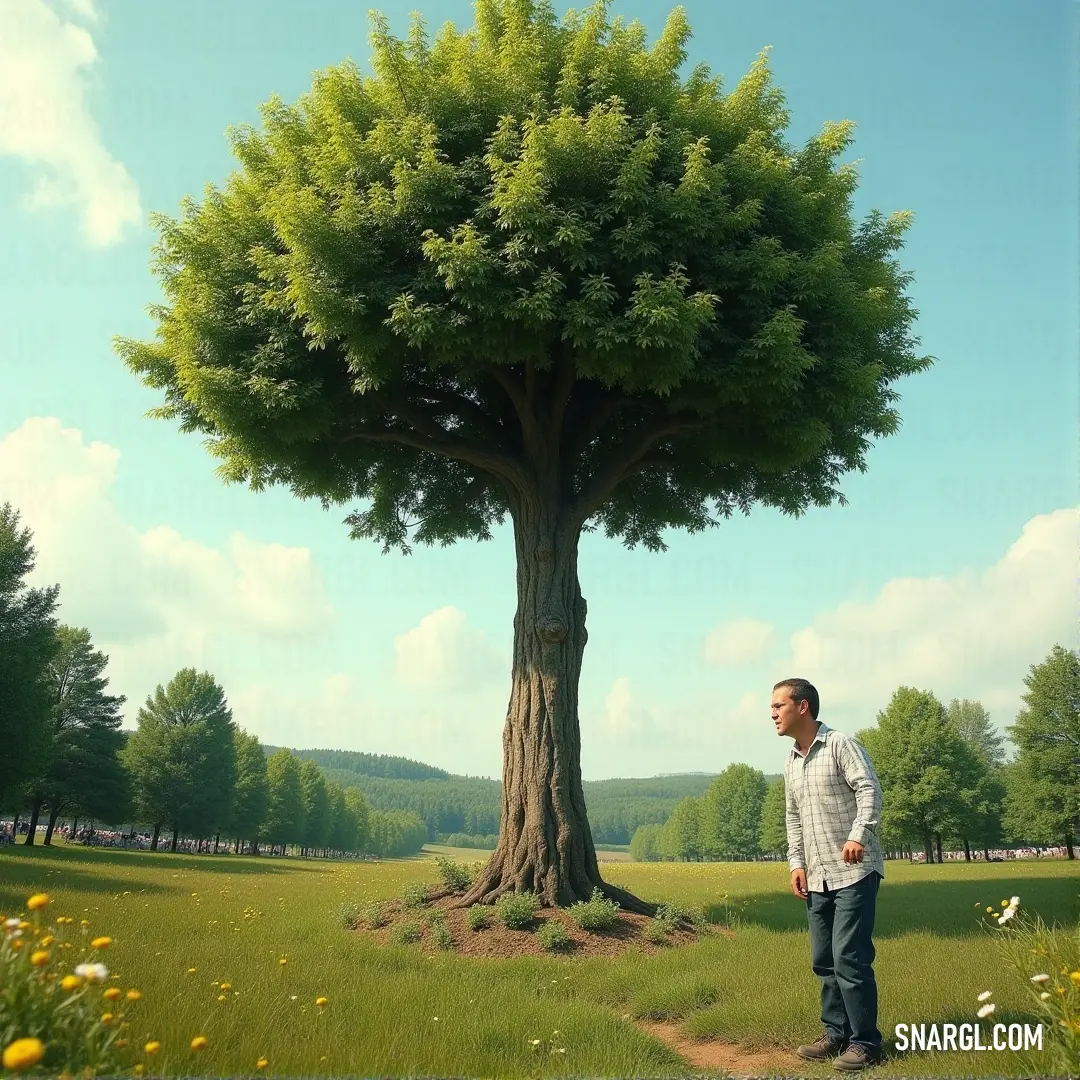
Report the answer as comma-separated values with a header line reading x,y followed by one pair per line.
x,y
1044,996
985,994
986,1010
10,924
1040,978
1014,902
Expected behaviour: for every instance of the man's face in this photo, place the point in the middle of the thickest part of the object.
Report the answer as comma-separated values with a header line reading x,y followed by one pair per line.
x,y
786,713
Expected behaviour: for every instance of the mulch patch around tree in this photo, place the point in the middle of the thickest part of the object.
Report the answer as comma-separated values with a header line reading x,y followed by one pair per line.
x,y
495,941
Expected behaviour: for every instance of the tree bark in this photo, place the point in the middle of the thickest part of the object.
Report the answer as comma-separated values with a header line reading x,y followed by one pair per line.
x,y
986,854
53,815
938,839
967,851
175,834
928,845
1069,852
31,832
216,839
545,844
157,832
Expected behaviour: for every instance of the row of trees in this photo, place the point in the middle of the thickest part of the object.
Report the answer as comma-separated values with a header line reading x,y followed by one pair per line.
x,y
944,776
187,768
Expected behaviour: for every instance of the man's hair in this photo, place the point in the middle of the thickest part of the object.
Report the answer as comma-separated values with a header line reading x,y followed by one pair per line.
x,y
801,690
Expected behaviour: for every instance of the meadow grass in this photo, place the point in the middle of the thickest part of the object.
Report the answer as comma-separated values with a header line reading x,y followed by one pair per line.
x,y
404,1011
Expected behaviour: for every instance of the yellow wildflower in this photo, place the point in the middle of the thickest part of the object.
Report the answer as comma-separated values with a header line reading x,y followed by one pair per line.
x,y
24,925
191,971
107,1018
1075,977
71,982
199,1042
121,1043
37,901
23,1054
221,997
322,1002
283,961
261,1063
47,940
101,943
84,922
18,943
226,986
152,1047
112,993
39,958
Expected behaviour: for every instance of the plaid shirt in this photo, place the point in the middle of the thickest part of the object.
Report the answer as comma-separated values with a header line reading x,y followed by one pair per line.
x,y
832,795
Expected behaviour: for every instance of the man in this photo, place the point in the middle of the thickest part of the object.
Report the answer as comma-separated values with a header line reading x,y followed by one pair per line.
x,y
834,858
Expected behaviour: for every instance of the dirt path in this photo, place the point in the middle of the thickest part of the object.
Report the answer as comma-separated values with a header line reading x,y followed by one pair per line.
x,y
722,1056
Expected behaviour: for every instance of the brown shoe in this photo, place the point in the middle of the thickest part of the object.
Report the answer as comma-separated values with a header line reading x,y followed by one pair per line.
x,y
856,1057
821,1049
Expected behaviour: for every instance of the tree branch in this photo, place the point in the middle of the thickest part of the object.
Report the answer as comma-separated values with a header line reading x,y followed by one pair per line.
x,y
518,393
433,439
621,465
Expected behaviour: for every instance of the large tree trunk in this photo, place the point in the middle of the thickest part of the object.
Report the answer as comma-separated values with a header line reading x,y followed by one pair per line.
x,y
172,846
1070,853
53,815
545,845
939,857
928,846
157,833
967,851
31,832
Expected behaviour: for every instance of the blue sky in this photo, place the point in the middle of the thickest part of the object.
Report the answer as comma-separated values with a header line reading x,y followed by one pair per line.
x,y
953,567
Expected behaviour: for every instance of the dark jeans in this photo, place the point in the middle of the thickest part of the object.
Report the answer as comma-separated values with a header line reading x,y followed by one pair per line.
x,y
841,953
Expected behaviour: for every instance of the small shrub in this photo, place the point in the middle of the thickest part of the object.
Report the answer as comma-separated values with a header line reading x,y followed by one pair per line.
x,y
351,914
657,931
599,913
440,932
675,917
455,876
406,933
475,868
376,915
479,916
553,936
416,895
517,910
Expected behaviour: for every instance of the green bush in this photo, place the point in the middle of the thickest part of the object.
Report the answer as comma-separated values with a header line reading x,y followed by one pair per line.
x,y
416,895
553,936
657,931
598,913
479,916
440,932
351,914
517,910
376,915
406,933
676,917
455,876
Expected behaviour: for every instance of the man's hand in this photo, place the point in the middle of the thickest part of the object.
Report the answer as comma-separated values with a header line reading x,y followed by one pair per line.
x,y
798,883
853,852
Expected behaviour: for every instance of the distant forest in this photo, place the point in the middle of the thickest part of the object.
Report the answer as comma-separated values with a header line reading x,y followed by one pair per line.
x,y
469,806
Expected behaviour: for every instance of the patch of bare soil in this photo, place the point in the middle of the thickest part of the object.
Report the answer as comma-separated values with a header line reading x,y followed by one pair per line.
x,y
722,1056
496,941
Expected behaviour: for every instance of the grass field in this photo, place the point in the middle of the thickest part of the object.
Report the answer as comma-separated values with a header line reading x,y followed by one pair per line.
x,y
406,1012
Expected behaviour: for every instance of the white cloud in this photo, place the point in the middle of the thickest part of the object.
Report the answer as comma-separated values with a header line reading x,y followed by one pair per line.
x,y
442,653
46,123
154,600
968,635
738,642
624,721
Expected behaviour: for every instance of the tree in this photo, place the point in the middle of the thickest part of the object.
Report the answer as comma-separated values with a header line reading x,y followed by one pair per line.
x,y
27,644
251,795
731,813
972,723
680,837
924,767
532,271
182,757
1046,793
645,843
316,798
357,806
82,764
773,833
285,812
